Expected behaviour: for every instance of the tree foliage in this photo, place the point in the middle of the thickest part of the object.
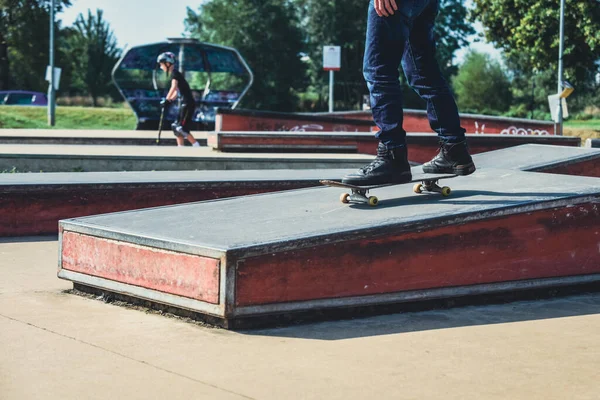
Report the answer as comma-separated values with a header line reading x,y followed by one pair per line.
x,y
267,34
331,22
481,85
93,52
24,42
452,32
531,28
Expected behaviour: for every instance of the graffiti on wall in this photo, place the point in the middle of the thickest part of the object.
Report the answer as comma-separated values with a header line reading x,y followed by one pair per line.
x,y
275,126
513,130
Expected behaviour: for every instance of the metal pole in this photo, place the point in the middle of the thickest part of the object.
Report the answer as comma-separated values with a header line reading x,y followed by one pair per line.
x,y
181,60
51,92
181,69
532,97
330,91
559,128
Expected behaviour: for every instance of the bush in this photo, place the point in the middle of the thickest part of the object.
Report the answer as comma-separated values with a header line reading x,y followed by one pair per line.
x,y
583,116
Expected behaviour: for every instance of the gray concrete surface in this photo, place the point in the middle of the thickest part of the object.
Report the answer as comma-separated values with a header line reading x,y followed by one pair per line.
x,y
55,345
162,177
90,137
534,157
67,158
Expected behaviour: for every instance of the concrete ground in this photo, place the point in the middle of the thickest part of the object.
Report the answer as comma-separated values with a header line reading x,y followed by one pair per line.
x,y
56,345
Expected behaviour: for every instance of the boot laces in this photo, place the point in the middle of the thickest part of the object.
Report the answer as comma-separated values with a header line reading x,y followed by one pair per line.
x,y
383,155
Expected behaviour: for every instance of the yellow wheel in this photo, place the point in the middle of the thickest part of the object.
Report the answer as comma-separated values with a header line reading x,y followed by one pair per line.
x,y
373,201
418,188
344,198
446,191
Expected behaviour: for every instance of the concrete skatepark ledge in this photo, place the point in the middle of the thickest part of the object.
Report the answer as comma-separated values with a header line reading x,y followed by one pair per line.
x,y
234,261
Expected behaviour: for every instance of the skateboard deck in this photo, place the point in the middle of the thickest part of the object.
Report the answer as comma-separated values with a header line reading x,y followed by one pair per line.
x,y
426,183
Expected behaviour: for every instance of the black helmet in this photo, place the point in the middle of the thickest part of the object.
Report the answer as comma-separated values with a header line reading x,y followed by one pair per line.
x,y
166,57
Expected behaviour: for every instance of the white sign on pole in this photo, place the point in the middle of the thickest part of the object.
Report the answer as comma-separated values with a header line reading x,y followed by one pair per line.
x,y
553,100
332,58
57,72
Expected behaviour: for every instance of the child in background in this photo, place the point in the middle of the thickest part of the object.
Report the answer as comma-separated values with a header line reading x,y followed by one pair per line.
x,y
178,85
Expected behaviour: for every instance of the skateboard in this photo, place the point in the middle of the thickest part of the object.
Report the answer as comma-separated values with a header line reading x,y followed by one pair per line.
x,y
427,183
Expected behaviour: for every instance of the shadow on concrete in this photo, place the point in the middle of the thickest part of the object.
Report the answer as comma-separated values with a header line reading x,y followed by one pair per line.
x,y
29,239
457,195
449,318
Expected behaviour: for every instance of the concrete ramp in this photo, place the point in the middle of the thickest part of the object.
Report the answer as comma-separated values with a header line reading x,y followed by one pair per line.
x,y
239,260
543,158
33,203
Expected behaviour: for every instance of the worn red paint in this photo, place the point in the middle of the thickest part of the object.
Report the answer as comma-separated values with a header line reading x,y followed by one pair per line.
x,y
414,121
232,122
549,243
180,274
585,168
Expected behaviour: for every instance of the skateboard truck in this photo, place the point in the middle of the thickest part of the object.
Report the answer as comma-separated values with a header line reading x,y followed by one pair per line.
x,y
359,194
433,187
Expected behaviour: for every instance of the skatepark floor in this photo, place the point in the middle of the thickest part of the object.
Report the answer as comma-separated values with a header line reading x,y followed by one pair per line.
x,y
57,345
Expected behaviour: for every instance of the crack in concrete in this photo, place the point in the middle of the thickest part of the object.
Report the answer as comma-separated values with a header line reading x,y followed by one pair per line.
x,y
127,357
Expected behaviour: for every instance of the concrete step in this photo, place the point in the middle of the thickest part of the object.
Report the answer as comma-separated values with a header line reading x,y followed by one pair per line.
x,y
421,146
91,137
69,158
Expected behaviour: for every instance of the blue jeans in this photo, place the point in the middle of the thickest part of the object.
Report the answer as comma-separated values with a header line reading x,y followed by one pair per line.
x,y
406,38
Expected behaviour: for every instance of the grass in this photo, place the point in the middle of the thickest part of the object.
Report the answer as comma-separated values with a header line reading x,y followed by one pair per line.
x,y
12,117
585,129
593,124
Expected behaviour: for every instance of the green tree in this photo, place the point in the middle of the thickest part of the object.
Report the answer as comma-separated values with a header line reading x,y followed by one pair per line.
x,y
531,27
481,85
331,22
24,42
267,34
529,89
93,52
452,31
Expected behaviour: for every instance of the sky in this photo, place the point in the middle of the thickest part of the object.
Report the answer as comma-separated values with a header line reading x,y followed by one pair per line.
x,y
137,22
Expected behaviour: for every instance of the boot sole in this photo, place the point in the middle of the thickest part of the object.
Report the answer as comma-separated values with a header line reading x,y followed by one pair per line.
x,y
404,178
461,170
464,170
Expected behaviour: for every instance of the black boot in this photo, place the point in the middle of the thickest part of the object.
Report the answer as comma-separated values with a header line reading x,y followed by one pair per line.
x,y
453,158
390,166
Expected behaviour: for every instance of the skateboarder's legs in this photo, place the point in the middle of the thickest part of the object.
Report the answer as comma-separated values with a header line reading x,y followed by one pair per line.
x,y
386,38
424,76
407,38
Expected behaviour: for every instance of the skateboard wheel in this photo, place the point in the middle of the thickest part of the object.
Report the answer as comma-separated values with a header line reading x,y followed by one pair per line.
x,y
446,191
418,188
373,201
344,198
